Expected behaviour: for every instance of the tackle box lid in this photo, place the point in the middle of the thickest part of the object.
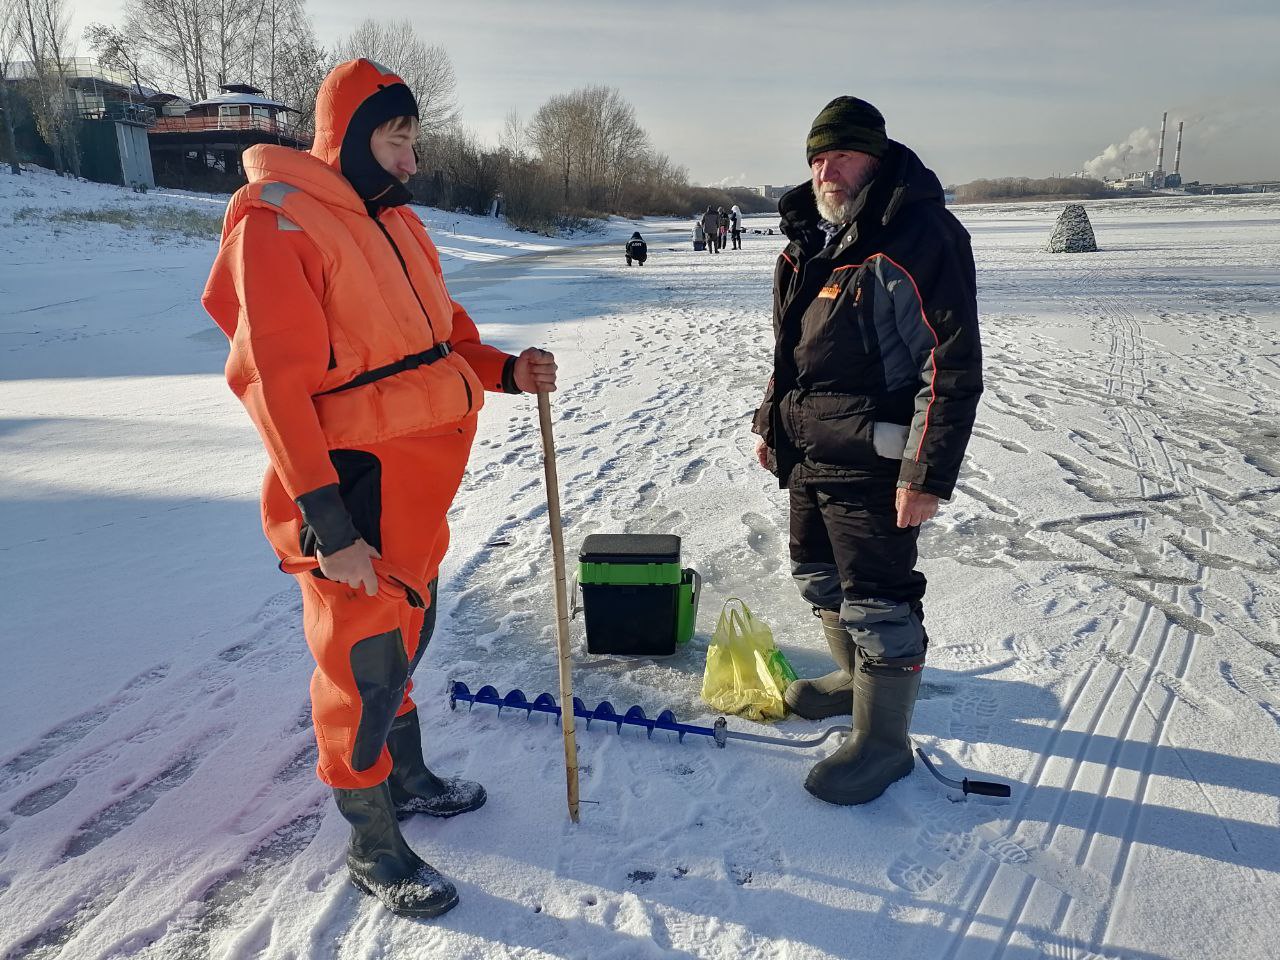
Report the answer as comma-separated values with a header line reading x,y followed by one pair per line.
x,y
630,548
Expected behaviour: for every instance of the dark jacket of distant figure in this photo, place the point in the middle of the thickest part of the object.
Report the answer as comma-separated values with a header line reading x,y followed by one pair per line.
x,y
879,324
637,249
711,223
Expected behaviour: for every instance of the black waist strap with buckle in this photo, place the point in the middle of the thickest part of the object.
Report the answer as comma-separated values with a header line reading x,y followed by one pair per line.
x,y
411,362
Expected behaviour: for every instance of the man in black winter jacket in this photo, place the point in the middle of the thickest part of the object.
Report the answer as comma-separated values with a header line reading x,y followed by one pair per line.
x,y
876,379
637,249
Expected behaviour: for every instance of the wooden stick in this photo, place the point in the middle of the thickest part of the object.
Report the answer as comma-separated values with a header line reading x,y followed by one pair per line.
x,y
562,605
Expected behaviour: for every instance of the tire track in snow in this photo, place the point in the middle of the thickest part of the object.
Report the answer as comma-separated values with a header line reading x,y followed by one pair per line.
x,y
1031,901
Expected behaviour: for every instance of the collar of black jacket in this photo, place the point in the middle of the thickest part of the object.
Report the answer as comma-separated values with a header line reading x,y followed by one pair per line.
x,y
902,180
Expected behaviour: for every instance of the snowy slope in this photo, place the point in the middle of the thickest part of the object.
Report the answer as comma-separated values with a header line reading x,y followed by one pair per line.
x,y
1103,608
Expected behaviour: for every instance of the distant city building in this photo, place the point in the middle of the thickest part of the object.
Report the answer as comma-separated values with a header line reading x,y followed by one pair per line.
x,y
770,192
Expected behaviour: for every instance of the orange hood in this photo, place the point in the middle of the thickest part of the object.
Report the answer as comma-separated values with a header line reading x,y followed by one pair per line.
x,y
342,93
347,89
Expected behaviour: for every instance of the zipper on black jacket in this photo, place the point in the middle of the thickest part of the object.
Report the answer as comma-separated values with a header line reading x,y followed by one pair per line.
x,y
405,267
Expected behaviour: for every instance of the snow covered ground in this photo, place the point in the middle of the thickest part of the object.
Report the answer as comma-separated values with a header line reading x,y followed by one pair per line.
x,y
1103,607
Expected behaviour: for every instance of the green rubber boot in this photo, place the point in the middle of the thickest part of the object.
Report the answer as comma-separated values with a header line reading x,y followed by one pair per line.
x,y
382,865
878,750
830,695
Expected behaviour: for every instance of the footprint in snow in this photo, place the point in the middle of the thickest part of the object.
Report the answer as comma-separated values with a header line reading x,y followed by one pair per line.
x,y
911,875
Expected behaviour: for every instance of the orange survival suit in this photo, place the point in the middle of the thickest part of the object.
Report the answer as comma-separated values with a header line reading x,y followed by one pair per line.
x,y
364,379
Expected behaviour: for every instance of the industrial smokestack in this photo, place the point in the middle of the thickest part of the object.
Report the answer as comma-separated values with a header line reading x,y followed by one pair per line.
x,y
1160,156
1177,154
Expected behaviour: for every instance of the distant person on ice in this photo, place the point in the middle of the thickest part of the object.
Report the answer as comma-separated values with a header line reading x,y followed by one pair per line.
x,y
364,379
877,373
637,249
699,236
711,226
735,226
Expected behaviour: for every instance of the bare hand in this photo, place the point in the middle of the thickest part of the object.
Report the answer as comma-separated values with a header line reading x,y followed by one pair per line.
x,y
353,566
762,453
915,507
536,371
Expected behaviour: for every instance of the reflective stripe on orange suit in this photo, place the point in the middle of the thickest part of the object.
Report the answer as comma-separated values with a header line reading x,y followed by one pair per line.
x,y
310,292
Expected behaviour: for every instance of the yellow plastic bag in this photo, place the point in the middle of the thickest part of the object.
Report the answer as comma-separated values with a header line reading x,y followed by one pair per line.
x,y
746,674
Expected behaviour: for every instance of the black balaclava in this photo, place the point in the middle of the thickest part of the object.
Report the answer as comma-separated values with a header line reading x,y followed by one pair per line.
x,y
376,187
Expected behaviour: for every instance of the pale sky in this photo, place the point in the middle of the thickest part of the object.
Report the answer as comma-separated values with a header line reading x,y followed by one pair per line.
x,y
979,89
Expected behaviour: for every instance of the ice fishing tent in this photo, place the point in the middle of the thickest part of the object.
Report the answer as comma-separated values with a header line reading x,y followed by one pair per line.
x,y
1072,233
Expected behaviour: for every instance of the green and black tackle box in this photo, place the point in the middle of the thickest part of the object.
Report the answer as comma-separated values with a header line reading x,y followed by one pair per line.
x,y
635,597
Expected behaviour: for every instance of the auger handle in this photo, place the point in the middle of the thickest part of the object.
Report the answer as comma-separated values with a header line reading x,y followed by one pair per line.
x,y
985,787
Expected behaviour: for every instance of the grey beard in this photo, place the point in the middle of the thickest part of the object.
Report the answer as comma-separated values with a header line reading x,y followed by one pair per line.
x,y
842,213
838,213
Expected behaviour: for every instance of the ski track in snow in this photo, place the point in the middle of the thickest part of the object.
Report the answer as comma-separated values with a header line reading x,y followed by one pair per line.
x,y
1103,610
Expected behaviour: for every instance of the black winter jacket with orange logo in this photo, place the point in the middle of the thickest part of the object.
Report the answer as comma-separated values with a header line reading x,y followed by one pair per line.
x,y
877,326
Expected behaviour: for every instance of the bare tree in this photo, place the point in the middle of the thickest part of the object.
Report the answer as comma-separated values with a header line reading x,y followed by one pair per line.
x,y
173,33
54,21
473,173
301,64
1007,188
279,27
31,43
552,133
425,68
121,50
10,29
42,37
592,138
195,46
515,136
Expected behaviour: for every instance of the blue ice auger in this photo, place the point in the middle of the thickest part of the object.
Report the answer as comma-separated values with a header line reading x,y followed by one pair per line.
x,y
604,712
666,722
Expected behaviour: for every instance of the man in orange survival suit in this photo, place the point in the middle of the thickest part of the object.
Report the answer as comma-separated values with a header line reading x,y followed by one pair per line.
x,y
364,379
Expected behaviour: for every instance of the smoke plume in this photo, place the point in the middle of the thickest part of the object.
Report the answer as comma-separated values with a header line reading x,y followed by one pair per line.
x,y
1137,151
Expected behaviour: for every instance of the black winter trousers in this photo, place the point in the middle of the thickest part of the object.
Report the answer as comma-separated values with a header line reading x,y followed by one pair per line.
x,y
848,554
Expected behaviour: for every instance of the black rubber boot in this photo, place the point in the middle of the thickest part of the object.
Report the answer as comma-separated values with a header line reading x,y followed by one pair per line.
x,y
878,751
830,695
382,865
414,788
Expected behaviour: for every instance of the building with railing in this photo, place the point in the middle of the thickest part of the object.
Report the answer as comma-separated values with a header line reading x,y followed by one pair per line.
x,y
239,109
94,91
112,115
208,139
138,125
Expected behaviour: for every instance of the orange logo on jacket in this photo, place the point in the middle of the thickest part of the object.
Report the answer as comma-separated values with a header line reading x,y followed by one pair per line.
x,y
829,293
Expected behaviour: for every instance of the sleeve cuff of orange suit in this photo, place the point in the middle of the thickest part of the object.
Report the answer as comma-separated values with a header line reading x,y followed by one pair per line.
x,y
327,518
509,377
494,367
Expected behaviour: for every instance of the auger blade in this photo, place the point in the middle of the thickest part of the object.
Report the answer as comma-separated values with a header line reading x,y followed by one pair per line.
x,y
603,711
